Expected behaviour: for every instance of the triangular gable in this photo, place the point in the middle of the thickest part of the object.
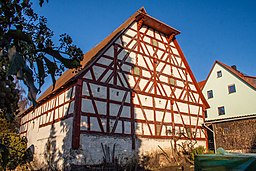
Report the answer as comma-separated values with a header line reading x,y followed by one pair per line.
x,y
70,76
249,80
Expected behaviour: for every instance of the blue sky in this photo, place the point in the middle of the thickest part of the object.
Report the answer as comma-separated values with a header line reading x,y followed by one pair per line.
x,y
210,30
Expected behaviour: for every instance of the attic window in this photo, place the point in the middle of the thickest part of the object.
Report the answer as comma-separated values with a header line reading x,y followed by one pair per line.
x,y
154,42
219,74
98,89
136,71
231,89
172,81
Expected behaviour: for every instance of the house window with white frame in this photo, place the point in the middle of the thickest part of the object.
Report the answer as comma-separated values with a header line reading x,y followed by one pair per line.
x,y
219,74
210,94
231,89
221,110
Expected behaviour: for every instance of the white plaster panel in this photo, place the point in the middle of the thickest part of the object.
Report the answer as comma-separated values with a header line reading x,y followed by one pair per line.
x,y
116,94
85,90
150,50
162,65
149,114
127,127
119,127
183,107
110,52
94,124
73,93
159,54
104,79
149,62
146,100
194,121
160,103
138,114
126,40
88,75
161,45
126,112
168,117
126,68
98,71
138,128
146,129
177,119
167,70
123,79
68,94
71,107
186,119
159,116
61,99
143,47
143,83
66,106
84,123
152,127
132,44
101,107
87,106
174,50
56,113
131,32
122,54
150,32
158,36
102,93
104,61
194,109
146,39
143,29
61,111
146,73
114,108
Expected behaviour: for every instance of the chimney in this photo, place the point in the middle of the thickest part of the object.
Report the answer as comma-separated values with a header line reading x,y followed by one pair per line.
x,y
234,67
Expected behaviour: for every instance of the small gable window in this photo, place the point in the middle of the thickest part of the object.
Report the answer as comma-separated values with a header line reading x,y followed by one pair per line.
x,y
221,110
154,42
210,94
136,71
219,74
172,81
231,89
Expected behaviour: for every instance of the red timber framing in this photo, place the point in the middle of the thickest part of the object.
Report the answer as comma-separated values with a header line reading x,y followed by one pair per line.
x,y
135,83
104,113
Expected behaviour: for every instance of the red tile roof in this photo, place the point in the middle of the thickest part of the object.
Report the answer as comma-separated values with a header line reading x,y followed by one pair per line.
x,y
201,84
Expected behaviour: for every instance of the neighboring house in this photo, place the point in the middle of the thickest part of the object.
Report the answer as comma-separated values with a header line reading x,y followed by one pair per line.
x,y
231,116
136,91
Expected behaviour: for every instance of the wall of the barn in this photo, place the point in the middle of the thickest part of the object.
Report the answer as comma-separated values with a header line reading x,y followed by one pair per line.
x,y
93,148
49,129
110,103
236,136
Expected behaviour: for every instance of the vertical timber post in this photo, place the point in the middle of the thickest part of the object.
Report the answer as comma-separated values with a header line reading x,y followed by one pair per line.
x,y
77,115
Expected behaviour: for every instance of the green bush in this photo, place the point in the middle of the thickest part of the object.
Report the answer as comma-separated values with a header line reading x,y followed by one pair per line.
x,y
12,151
198,150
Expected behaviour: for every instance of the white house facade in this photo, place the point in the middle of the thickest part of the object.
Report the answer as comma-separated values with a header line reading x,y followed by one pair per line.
x,y
229,93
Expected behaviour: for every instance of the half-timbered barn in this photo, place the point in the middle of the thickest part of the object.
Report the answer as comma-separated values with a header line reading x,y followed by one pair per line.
x,y
136,91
